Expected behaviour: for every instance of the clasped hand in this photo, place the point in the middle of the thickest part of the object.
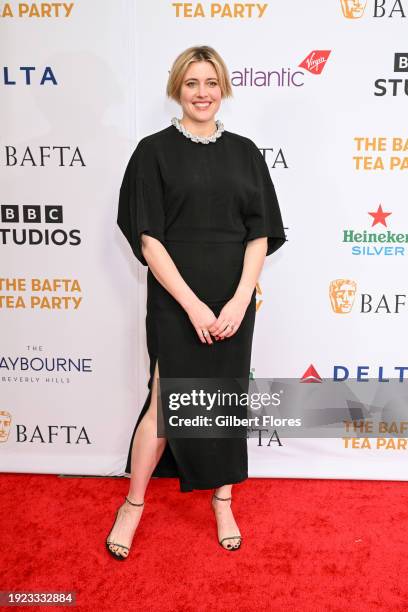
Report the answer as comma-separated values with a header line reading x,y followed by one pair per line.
x,y
224,326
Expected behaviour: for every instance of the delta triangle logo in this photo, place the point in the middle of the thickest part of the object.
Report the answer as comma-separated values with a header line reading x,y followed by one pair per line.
x,y
311,375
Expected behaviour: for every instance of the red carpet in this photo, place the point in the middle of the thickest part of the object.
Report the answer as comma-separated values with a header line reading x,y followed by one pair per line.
x,y
308,545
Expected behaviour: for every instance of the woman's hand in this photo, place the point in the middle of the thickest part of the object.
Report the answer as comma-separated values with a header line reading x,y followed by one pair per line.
x,y
230,318
202,317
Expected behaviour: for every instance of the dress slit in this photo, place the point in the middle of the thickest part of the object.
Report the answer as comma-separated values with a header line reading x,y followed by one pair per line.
x,y
166,466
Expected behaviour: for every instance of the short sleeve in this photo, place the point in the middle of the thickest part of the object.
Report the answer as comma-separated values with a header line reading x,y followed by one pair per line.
x,y
141,199
262,215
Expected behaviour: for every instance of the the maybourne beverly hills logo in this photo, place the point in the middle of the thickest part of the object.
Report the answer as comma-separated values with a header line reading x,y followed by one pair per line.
x,y
38,365
376,242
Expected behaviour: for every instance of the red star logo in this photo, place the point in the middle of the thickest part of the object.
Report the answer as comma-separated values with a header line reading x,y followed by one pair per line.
x,y
379,216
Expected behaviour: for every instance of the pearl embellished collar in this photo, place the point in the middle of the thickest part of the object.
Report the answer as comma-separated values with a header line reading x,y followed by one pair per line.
x,y
203,139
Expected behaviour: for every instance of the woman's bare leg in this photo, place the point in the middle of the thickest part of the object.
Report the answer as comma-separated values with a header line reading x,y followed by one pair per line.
x,y
226,525
147,449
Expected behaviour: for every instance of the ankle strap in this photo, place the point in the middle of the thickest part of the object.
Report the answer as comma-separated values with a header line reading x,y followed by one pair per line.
x,y
132,504
221,498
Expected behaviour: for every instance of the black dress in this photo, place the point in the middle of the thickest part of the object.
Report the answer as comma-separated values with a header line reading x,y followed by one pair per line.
x,y
203,202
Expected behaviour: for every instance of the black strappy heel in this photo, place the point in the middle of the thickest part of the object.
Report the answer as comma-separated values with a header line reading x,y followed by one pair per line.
x,y
108,542
236,537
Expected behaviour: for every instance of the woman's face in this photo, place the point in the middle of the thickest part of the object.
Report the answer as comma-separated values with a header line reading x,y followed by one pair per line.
x,y
200,95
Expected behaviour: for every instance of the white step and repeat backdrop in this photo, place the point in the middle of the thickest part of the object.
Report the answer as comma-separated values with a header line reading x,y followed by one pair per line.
x,y
321,88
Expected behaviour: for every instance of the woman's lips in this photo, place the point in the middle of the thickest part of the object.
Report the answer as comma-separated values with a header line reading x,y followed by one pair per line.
x,y
202,105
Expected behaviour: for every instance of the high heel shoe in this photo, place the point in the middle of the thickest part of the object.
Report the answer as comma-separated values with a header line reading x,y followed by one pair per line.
x,y
236,537
108,542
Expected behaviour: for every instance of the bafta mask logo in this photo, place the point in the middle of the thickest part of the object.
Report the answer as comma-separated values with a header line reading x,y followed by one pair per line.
x,y
5,422
258,300
353,9
342,293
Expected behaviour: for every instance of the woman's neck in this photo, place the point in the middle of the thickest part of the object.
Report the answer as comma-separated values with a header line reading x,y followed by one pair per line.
x,y
198,128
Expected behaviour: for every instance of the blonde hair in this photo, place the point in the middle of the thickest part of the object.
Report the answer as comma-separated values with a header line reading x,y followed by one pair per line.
x,y
197,54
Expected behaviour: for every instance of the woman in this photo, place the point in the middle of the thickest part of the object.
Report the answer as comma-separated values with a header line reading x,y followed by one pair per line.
x,y
198,207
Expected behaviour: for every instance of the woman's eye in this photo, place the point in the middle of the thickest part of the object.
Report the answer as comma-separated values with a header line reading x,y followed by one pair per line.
x,y
212,83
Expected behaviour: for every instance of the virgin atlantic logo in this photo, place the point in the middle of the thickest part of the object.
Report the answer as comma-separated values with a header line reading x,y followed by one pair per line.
x,y
315,61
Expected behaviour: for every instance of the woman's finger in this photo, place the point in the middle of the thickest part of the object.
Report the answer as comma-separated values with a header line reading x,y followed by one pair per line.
x,y
200,335
219,326
229,330
232,331
206,335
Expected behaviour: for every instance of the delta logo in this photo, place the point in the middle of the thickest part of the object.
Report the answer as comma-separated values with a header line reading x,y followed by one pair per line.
x,y
311,375
377,242
363,373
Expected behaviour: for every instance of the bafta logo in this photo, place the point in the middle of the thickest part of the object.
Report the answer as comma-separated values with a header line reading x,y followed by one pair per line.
x,y
353,9
5,422
258,300
342,293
